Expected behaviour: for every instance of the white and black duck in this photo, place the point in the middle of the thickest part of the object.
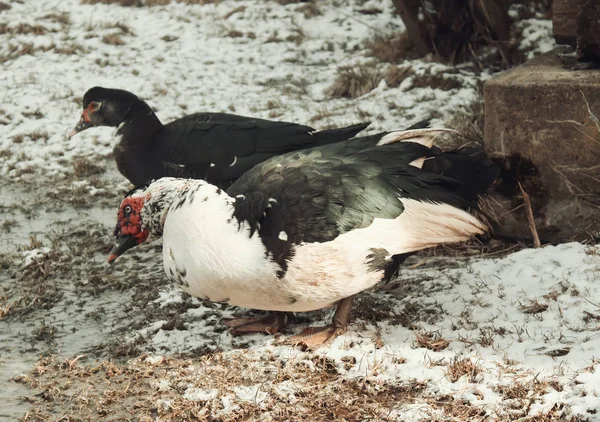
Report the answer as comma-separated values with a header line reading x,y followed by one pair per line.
x,y
217,147
310,229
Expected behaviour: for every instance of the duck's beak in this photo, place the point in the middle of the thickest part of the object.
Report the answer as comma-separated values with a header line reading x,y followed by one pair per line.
x,y
123,243
81,126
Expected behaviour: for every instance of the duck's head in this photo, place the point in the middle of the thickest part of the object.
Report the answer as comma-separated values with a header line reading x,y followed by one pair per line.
x,y
130,230
105,107
141,214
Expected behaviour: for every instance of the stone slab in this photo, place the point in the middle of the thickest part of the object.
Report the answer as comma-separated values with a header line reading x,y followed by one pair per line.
x,y
549,115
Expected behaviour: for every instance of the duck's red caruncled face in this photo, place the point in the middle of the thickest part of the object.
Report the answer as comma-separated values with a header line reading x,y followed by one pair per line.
x,y
129,230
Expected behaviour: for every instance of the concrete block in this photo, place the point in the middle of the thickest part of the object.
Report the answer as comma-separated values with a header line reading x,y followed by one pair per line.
x,y
550,115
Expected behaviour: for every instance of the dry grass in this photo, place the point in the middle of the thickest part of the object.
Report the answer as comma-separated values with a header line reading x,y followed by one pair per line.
x,y
61,18
392,48
233,11
285,390
353,82
458,368
34,136
23,29
395,75
234,33
309,10
533,307
113,39
139,3
84,167
36,114
370,11
435,81
286,2
469,122
17,50
8,224
431,341
174,389
4,6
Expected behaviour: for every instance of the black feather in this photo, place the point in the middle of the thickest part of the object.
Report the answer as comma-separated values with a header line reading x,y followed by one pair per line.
x,y
326,191
217,147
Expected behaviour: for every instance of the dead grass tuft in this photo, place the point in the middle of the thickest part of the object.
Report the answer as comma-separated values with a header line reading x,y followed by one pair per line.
x,y
8,224
113,39
458,368
469,123
4,308
392,48
4,6
395,75
125,3
513,391
370,11
533,307
286,2
23,29
435,81
234,33
139,3
353,82
34,136
84,167
431,341
36,114
233,11
16,50
61,18
309,10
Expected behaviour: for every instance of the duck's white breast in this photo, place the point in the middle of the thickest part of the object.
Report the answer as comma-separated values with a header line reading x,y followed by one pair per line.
x,y
210,256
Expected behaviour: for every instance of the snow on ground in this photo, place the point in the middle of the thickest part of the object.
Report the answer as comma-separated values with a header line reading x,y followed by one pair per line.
x,y
475,333
252,58
490,338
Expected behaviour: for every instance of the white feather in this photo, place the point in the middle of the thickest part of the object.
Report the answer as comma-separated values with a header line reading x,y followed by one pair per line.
x,y
425,137
223,263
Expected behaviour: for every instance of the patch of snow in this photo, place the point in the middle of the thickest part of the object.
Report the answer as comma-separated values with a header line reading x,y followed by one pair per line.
x,y
198,394
537,36
31,256
169,297
251,393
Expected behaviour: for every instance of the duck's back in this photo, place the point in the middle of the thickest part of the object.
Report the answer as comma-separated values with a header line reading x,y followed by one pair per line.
x,y
221,147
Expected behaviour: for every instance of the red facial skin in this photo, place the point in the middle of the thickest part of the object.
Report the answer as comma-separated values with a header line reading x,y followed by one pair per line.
x,y
86,113
129,223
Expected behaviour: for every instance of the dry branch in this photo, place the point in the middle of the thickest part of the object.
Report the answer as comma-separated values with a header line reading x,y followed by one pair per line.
x,y
530,219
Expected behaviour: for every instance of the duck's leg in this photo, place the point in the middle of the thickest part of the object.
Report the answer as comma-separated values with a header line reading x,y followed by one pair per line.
x,y
314,337
269,324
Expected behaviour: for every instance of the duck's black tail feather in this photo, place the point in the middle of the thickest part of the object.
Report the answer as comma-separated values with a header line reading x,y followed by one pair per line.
x,y
423,124
468,165
328,136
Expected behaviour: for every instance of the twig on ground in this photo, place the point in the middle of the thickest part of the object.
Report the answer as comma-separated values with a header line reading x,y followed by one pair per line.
x,y
530,219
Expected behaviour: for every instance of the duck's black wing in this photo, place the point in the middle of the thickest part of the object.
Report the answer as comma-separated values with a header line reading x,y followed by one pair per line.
x,y
311,198
221,147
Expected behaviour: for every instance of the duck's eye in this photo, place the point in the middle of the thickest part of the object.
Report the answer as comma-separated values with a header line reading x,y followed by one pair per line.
x,y
127,210
96,105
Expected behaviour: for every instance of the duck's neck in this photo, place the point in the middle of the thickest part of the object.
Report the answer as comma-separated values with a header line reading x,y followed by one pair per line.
x,y
135,138
171,193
